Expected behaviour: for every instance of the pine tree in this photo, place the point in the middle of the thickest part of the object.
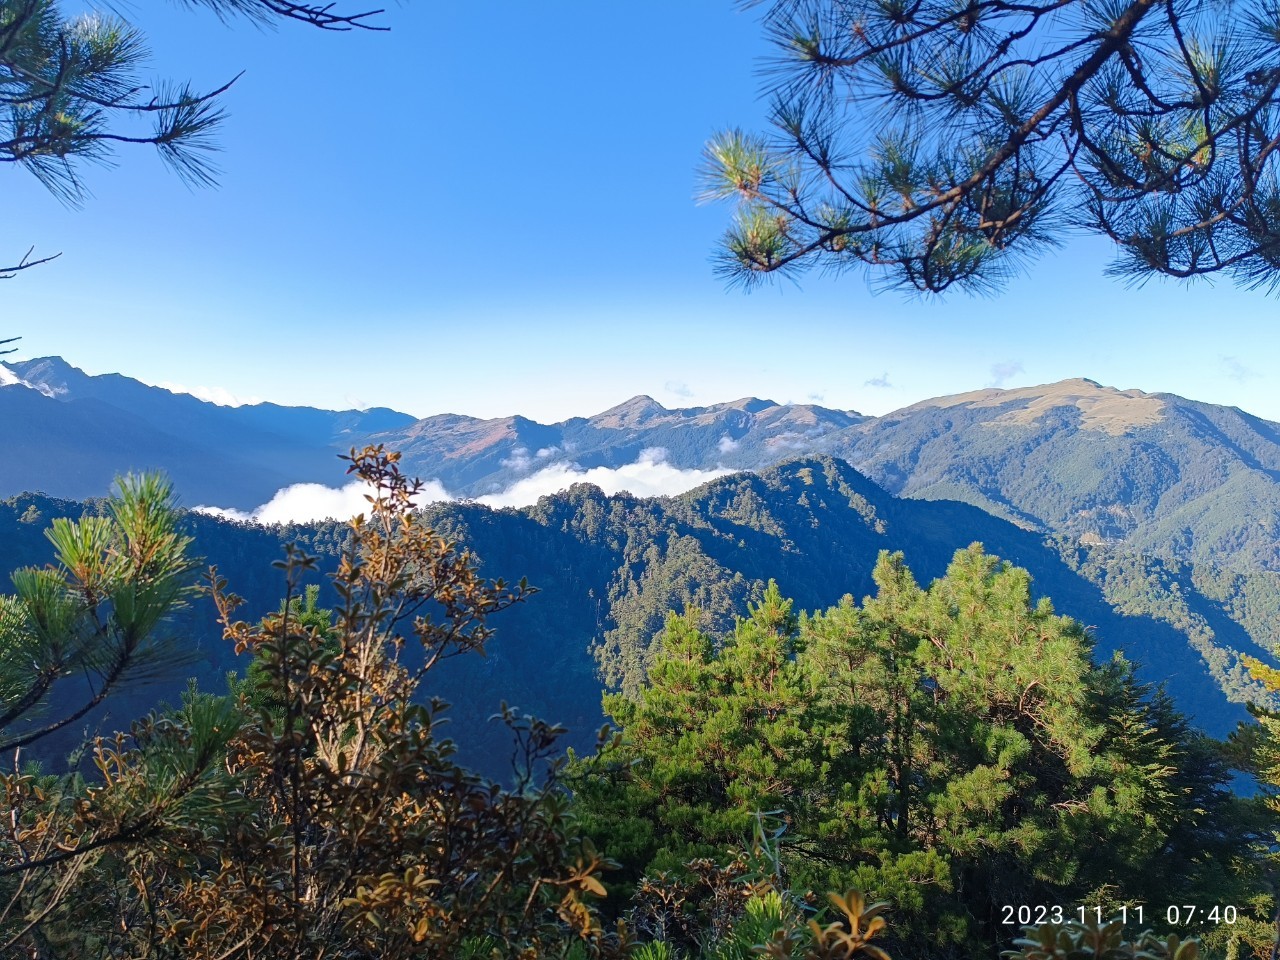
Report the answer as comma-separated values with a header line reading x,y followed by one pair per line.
x,y
941,144
951,750
72,92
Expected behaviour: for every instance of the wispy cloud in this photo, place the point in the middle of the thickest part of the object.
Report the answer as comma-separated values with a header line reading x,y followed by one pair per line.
x,y
679,388
1004,371
816,397
519,461
727,444
353,401
881,381
649,476
787,441
1237,371
10,379
219,395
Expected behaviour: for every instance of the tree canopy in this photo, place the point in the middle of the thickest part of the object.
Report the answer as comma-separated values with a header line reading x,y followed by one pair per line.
x,y
951,750
948,751
942,143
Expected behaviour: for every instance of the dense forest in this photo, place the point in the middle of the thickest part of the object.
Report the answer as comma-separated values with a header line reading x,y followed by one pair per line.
x,y
960,759
956,757
610,568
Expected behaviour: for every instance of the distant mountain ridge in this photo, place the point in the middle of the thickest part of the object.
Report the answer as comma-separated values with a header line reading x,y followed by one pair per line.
x,y
69,434
473,457
1155,472
1190,488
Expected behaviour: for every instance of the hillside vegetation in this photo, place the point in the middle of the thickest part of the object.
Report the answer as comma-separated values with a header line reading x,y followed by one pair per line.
x,y
945,755
610,569
1186,491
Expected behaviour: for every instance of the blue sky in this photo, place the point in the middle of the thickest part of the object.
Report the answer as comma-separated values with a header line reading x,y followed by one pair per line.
x,y
490,210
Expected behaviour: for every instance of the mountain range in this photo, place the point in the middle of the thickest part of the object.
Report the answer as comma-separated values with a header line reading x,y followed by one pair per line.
x,y
608,568
1156,472
70,434
1168,508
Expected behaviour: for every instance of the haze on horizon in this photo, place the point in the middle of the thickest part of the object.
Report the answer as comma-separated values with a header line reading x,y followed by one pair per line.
x,y
529,243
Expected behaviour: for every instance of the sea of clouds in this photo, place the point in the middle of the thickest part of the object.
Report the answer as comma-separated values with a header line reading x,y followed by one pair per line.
x,y
650,476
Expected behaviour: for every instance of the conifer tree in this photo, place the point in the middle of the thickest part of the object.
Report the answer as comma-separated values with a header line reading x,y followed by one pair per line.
x,y
951,750
72,92
940,144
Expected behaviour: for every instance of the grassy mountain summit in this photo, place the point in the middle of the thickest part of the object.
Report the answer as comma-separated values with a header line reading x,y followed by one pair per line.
x,y
1157,472
1169,507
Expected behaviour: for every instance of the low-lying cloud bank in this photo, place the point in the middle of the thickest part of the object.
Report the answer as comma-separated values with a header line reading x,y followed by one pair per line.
x,y
216,395
649,476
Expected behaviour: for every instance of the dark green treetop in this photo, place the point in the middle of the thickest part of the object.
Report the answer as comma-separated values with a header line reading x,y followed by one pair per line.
x,y
950,750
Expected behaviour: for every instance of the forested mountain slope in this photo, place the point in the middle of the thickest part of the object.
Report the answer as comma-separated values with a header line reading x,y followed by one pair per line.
x,y
1169,505
609,568
1156,472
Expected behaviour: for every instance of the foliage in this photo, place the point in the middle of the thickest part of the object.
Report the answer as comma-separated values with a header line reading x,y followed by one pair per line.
x,y
1257,749
949,750
1091,938
96,620
71,91
743,908
316,810
940,144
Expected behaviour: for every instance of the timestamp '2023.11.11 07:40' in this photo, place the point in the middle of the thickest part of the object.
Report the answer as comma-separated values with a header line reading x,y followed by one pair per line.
x,y
1175,915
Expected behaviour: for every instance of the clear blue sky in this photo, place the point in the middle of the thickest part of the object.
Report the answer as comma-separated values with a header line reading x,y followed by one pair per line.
x,y
489,210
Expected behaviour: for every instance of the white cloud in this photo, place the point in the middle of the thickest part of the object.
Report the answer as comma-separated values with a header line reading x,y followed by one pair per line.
x,y
649,476
305,502
679,388
790,440
219,395
519,460
1003,372
881,381
10,379
545,452
727,444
